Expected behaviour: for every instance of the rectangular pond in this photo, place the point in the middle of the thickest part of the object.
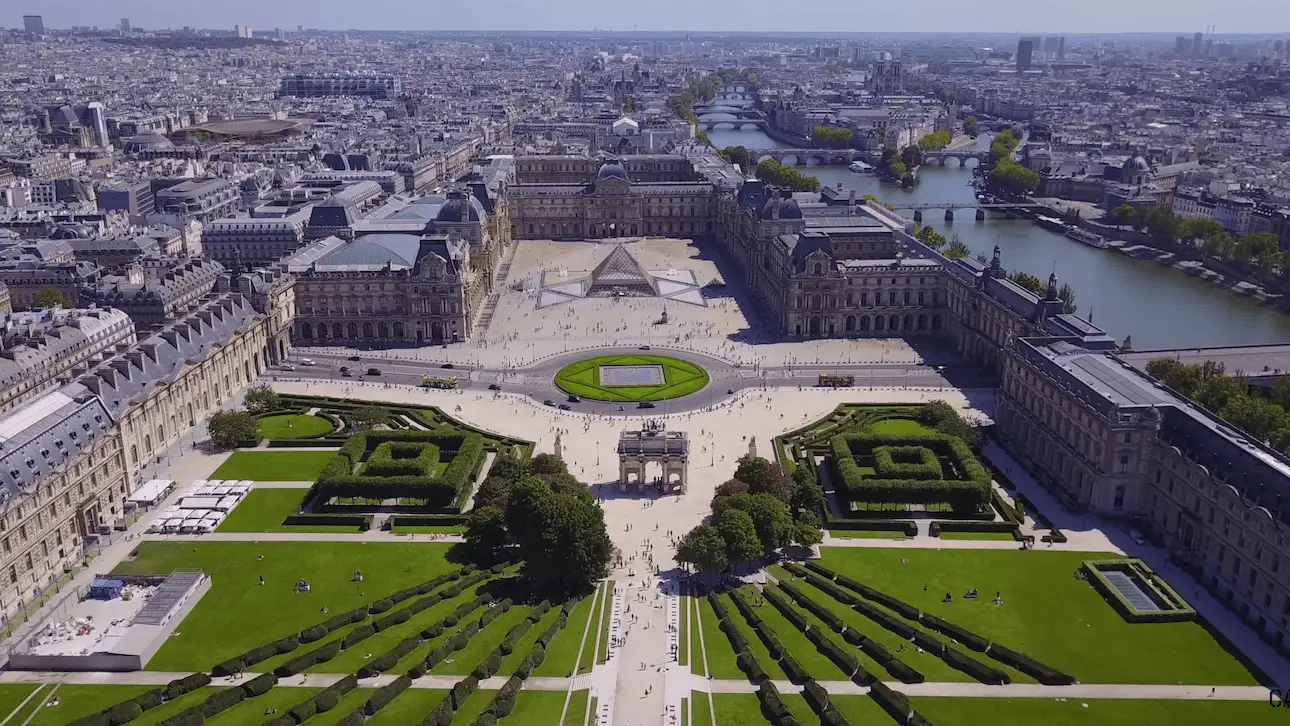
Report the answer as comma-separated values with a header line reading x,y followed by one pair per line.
x,y
647,375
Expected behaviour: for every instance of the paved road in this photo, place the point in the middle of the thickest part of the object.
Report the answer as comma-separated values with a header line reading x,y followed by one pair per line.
x,y
537,381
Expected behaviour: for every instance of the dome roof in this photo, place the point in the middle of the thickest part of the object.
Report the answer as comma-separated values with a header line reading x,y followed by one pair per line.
x,y
460,207
611,170
788,208
147,141
1137,163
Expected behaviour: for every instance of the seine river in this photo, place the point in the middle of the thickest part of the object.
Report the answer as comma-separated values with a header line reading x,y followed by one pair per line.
x,y
1159,306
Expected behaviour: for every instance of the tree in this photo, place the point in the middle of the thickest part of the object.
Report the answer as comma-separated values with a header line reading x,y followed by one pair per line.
x,y
776,173
1067,294
971,126
1263,248
937,140
49,297
737,155
763,476
1010,177
807,535
740,535
734,486
548,464
486,534
1125,215
567,545
703,548
366,417
830,137
1028,281
233,429
912,156
928,235
259,399
774,525
808,497
957,250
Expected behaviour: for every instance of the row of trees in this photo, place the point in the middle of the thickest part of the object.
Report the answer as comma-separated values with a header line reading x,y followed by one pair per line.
x,y
1040,288
786,176
737,155
896,166
832,137
937,140
758,512
1006,175
1261,250
1266,418
536,511
971,126
952,248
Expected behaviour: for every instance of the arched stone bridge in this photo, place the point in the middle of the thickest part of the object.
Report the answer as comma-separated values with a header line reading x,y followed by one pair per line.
x,y
809,156
963,156
951,207
740,125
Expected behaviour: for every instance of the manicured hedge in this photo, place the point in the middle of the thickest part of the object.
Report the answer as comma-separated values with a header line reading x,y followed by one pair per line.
x,y
794,670
772,703
1031,667
1179,610
462,691
361,521
969,493
402,458
748,663
907,527
816,697
907,611
962,635
829,648
894,462
975,668
338,480
781,604
187,684
1054,535
383,695
935,528
826,615
255,655
302,663
428,520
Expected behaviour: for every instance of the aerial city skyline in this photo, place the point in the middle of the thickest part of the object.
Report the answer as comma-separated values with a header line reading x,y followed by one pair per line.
x,y
672,365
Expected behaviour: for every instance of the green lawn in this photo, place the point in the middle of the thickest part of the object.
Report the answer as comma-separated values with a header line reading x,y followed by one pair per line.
x,y
407,709
12,696
606,612
294,426
1048,614
803,650
899,427
527,641
253,710
736,709
574,715
237,614
864,710
348,703
537,707
274,465
755,644
562,655
582,378
865,534
265,510
932,667
76,701
721,655
587,659
702,709
1091,712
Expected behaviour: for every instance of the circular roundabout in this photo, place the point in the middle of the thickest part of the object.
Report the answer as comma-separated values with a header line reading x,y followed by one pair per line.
x,y
631,378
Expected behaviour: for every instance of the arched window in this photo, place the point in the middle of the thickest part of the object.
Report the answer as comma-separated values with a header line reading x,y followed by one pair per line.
x,y
398,329
353,331
307,331
383,330
336,331
367,329
819,269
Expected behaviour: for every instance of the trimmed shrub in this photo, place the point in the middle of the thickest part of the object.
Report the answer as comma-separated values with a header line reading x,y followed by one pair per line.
x,y
962,635
513,636
906,462
488,667
829,617
394,618
303,711
220,701
380,606
187,684
795,672
531,661
462,691
894,703
326,700
1031,667
355,718
383,695
833,590
732,632
831,650
781,604
929,643
747,663
885,619
770,640
149,699
309,635
260,685
976,669
772,702
121,713
816,697
357,635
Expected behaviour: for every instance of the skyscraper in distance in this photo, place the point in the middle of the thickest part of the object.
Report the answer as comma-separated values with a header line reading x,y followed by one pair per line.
x,y
33,24
1198,45
1025,49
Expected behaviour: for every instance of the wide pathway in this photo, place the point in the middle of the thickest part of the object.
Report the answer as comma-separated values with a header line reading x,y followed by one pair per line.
x,y
373,535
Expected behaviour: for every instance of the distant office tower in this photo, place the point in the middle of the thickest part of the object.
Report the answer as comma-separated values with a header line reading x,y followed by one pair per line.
x,y
1209,48
1061,48
300,28
1025,49
34,24
125,25
1050,46
279,33
1198,45
378,86
1182,46
1279,48
242,31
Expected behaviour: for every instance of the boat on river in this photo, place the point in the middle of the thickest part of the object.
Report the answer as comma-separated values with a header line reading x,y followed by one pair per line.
x,y
860,167
1052,224
1080,234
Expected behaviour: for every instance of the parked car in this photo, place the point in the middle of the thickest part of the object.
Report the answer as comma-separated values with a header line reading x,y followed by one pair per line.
x,y
644,404
287,367
448,366
644,347
356,357
307,362
494,387
548,402
373,371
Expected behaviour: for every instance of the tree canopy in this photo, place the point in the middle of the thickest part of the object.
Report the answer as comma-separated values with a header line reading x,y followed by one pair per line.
x,y
971,126
937,140
233,429
831,137
786,176
928,235
259,399
49,297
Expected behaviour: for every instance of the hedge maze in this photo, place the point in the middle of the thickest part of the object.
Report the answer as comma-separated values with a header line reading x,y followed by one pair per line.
x,y
910,469
519,649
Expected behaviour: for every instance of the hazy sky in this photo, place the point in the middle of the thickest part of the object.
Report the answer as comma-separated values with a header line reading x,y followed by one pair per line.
x,y
1066,16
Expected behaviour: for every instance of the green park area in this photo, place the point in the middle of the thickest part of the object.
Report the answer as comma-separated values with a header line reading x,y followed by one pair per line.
x,y
590,379
1048,613
265,510
239,614
1093,712
294,426
274,465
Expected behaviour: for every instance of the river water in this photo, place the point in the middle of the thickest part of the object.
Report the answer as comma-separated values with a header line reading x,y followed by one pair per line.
x,y
1159,306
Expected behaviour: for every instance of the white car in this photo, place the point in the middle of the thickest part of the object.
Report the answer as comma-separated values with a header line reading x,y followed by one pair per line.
x,y
287,367
1137,537
307,362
